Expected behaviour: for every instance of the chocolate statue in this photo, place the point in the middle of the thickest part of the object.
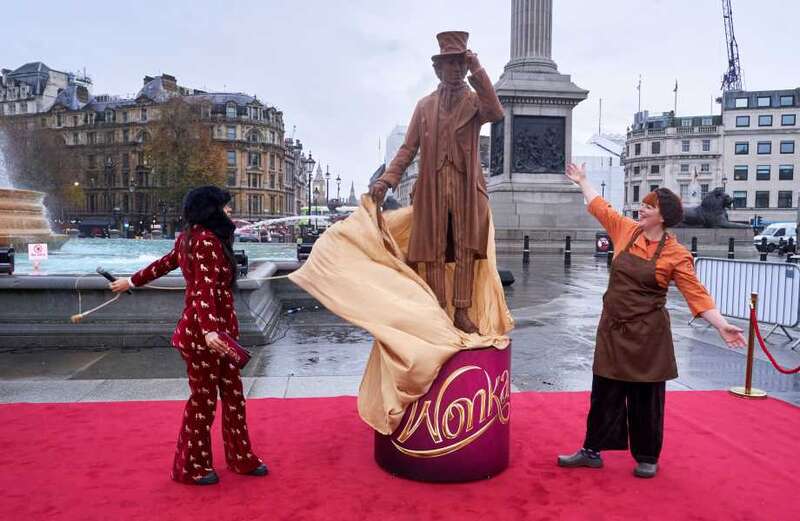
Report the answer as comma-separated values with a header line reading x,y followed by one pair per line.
x,y
450,203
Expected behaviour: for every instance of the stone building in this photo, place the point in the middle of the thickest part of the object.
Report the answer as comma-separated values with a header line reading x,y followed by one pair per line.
x,y
760,155
673,152
109,133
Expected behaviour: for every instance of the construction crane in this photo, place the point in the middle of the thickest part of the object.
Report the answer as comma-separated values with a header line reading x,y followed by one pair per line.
x,y
732,79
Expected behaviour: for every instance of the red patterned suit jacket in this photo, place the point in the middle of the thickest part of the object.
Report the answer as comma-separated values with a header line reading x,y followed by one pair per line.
x,y
208,302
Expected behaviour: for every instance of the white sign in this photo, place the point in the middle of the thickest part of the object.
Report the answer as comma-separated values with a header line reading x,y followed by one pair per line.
x,y
37,252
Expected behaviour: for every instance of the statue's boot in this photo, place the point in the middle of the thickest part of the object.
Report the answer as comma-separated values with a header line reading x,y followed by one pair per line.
x,y
462,321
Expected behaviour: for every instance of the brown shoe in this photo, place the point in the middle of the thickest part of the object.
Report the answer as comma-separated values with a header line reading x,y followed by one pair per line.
x,y
462,321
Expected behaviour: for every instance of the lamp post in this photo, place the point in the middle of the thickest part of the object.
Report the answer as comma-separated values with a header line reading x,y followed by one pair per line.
x,y
724,181
163,206
327,184
338,186
308,164
132,190
603,188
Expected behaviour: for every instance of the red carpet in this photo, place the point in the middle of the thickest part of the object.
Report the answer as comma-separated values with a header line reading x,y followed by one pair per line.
x,y
724,458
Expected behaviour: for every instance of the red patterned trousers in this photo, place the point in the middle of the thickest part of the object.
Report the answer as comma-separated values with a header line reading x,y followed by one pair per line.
x,y
209,374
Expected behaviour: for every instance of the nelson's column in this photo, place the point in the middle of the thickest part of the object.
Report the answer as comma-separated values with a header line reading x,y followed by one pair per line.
x,y
528,191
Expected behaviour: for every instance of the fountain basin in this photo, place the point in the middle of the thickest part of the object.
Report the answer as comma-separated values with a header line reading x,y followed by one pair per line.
x,y
23,220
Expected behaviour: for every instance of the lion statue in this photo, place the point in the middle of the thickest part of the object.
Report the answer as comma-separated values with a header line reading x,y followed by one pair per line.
x,y
710,213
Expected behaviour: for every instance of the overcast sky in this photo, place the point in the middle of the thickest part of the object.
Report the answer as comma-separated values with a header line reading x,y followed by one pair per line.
x,y
344,73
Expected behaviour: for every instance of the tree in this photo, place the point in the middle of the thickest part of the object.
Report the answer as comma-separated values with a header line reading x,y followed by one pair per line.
x,y
182,150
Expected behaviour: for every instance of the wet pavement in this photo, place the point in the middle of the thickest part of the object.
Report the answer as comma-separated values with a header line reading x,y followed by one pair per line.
x,y
314,353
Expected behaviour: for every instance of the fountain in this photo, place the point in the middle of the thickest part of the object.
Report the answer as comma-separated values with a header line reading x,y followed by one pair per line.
x,y
22,213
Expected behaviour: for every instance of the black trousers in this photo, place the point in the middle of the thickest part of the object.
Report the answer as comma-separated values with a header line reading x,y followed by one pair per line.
x,y
622,409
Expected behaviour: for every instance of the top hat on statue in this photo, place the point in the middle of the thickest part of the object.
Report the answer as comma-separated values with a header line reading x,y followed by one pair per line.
x,y
451,43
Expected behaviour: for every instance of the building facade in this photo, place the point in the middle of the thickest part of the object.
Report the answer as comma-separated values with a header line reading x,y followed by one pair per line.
x,y
108,134
760,159
673,152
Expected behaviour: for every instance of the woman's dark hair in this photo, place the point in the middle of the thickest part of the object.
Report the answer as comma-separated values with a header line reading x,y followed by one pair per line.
x,y
205,206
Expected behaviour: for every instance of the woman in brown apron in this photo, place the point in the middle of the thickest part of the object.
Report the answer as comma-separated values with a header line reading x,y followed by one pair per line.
x,y
634,355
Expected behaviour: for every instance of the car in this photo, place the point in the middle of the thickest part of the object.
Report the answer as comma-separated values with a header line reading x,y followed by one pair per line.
x,y
777,235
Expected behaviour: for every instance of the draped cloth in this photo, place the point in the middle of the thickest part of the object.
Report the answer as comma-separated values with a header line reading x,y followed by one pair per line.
x,y
357,270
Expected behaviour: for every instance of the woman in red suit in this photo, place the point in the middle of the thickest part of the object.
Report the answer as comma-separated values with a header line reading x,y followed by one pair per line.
x,y
204,252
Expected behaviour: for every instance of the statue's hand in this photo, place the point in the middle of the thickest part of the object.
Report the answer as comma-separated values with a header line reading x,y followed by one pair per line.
x,y
378,191
473,64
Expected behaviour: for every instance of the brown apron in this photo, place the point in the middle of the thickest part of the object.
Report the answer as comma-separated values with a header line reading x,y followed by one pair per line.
x,y
634,339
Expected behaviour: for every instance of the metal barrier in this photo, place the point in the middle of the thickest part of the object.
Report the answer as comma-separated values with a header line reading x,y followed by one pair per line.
x,y
731,282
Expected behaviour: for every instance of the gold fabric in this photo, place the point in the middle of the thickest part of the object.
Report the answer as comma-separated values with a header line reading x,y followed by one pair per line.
x,y
357,270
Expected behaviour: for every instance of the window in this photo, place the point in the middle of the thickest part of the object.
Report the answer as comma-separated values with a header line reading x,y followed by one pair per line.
x,y
765,147
141,160
635,193
685,168
91,138
272,181
762,199
740,173
787,147
272,161
231,132
765,121
686,122
703,190
232,179
787,101
705,167
126,161
684,192
253,137
742,121
788,120
253,159
637,149
626,194
636,170
763,101
143,114
109,137
230,111
126,134
74,120
125,116
653,188
739,199
59,119
742,148
707,122
786,173
231,158
109,116
92,160
762,173
785,199
655,169
655,147
685,145
272,136
706,145
635,214
742,103
75,138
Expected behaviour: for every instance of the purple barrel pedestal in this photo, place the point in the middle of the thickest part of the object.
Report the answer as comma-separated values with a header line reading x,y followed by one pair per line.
x,y
459,430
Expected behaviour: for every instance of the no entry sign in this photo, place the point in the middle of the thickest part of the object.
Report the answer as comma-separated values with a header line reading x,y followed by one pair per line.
x,y
37,252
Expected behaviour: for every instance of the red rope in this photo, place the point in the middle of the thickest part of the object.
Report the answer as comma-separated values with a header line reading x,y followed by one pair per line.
x,y
763,345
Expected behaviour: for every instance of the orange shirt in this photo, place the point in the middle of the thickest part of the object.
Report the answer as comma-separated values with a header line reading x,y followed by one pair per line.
x,y
675,263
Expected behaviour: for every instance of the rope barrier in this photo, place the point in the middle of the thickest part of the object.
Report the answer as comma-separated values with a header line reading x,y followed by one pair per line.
x,y
763,345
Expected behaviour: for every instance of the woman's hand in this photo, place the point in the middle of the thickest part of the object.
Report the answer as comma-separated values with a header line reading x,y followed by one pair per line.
x,y
732,335
575,173
120,285
214,342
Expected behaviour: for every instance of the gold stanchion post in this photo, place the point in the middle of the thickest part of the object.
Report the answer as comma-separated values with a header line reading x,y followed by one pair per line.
x,y
747,391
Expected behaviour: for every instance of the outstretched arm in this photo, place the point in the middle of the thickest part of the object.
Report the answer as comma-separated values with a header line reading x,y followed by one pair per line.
x,y
147,275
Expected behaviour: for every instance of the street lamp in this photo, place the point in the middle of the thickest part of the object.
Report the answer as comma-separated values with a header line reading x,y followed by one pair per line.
x,y
327,184
724,180
308,164
603,188
338,186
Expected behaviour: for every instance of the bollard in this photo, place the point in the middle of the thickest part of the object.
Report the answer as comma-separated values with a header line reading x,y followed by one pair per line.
x,y
526,250
763,256
747,391
731,254
694,247
610,256
568,251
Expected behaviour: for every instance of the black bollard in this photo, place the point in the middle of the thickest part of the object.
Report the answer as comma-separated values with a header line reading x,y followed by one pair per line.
x,y
526,250
731,255
694,247
568,251
763,249
610,256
